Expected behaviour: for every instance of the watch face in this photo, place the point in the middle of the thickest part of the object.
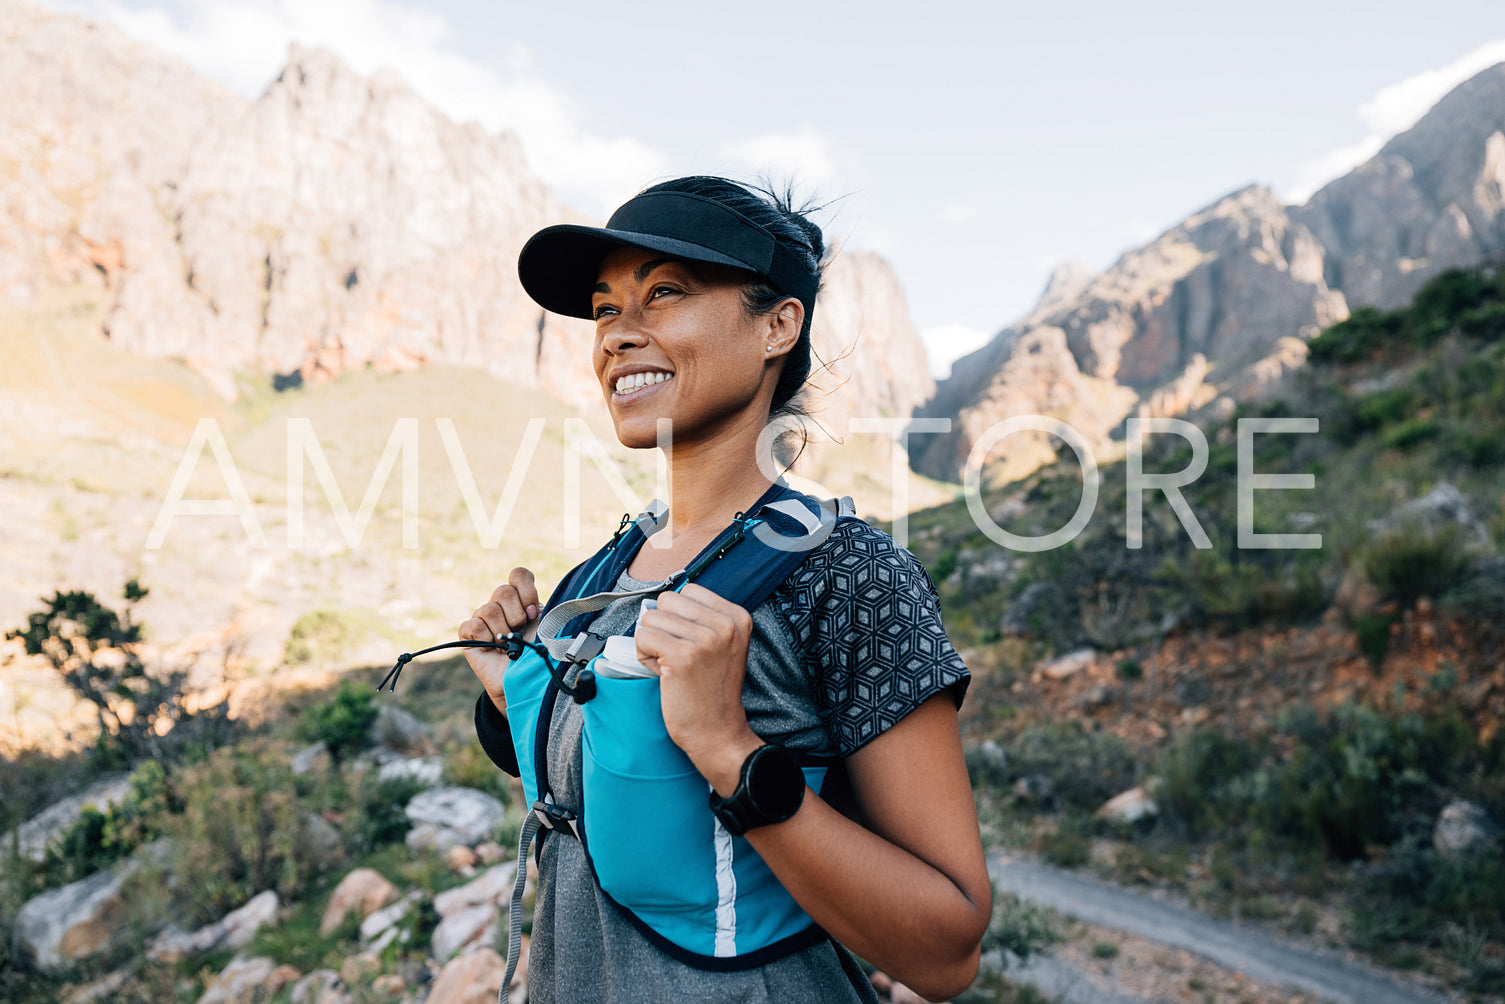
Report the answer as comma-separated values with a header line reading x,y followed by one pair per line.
x,y
775,784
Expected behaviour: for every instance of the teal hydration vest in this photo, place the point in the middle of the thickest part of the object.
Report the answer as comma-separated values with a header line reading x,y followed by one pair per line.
x,y
653,845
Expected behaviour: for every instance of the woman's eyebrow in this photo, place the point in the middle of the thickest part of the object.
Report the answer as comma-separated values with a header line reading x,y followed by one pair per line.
x,y
638,274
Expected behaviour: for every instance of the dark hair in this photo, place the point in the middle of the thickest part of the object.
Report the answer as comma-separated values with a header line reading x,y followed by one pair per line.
x,y
774,211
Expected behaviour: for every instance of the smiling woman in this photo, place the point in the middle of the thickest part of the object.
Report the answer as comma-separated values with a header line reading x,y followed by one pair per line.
x,y
760,767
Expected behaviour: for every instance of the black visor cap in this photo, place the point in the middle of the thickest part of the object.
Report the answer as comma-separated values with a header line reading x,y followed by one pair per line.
x,y
559,265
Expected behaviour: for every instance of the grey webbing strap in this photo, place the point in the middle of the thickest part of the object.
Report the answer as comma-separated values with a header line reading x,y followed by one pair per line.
x,y
563,613
538,817
515,911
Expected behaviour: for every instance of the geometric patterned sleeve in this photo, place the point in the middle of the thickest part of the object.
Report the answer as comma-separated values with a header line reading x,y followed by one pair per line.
x,y
867,619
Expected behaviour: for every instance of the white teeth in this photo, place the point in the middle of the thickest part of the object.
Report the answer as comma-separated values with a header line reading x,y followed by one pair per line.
x,y
628,384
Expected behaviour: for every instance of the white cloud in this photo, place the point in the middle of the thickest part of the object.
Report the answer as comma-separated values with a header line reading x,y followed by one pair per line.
x,y
1392,110
949,342
243,44
803,157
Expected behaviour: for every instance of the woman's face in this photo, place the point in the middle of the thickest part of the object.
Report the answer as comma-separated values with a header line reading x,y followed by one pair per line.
x,y
673,340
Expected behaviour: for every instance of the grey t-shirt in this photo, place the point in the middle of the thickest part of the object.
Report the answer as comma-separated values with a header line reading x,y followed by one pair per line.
x,y
848,645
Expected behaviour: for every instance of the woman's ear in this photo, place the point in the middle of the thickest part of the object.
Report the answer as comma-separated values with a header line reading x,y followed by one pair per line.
x,y
784,324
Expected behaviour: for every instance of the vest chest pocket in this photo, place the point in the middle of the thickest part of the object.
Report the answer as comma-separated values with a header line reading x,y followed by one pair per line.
x,y
648,827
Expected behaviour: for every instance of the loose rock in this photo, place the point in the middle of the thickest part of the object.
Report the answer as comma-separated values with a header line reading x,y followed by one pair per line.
x,y
364,890
1463,828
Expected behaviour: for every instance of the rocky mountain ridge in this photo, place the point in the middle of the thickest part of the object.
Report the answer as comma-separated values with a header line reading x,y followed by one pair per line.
x,y
1220,306
337,222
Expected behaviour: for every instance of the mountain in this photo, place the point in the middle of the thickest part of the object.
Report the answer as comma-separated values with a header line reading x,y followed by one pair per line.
x,y
1220,306
338,222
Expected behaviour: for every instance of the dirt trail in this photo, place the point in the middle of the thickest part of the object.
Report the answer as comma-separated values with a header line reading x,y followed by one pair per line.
x,y
1252,953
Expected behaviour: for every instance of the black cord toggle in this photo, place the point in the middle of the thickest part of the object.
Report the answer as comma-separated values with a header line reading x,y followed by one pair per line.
x,y
585,681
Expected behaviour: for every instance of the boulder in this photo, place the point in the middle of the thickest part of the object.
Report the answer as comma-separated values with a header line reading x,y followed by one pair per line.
x,y
233,930
74,922
40,830
1463,828
473,978
490,853
364,891
491,886
444,817
1441,508
247,981
461,859
359,968
103,989
1128,807
307,758
322,986
380,928
425,770
400,730
472,925
1069,664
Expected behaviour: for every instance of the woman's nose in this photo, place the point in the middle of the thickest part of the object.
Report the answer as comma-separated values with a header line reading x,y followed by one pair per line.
x,y
625,333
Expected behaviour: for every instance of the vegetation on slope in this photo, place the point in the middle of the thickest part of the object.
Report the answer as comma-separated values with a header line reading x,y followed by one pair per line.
x,y
1300,716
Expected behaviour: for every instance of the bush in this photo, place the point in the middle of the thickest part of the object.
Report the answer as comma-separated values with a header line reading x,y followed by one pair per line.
x,y
97,652
342,723
380,817
1365,331
1410,433
1197,780
1373,634
1085,768
1410,564
98,839
242,830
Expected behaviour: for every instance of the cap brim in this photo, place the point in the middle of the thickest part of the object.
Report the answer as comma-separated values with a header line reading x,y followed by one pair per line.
x,y
559,264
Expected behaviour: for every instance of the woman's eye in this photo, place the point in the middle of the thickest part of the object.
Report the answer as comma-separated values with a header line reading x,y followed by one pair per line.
x,y
602,310
658,291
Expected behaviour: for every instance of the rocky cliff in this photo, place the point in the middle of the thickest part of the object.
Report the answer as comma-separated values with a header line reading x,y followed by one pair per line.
x,y
337,222
1221,305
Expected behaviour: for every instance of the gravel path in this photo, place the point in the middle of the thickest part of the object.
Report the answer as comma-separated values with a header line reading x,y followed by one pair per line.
x,y
1255,954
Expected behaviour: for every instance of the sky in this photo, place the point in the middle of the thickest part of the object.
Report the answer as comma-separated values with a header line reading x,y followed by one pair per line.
x,y
976,145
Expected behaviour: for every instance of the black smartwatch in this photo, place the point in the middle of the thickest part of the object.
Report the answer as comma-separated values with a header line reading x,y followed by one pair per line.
x,y
770,790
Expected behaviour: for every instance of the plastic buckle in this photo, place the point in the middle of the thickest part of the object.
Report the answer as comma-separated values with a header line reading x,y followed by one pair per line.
x,y
586,646
552,817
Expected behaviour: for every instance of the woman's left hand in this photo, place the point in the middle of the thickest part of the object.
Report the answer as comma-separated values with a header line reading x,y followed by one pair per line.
x,y
698,642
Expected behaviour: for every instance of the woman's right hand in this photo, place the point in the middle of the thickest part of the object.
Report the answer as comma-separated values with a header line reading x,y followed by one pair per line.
x,y
513,606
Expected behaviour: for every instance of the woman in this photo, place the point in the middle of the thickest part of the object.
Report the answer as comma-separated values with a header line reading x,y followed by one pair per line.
x,y
702,291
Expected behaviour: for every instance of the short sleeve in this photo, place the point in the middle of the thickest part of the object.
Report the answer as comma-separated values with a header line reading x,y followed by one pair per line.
x,y
867,619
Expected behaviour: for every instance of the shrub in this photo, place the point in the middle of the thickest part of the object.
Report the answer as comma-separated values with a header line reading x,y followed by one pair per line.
x,y
1373,634
323,634
97,652
342,723
1197,779
1365,331
1085,768
1444,299
380,817
241,831
1409,564
1410,433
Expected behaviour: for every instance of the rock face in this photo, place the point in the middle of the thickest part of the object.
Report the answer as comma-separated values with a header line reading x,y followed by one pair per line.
x,y
337,222
1221,305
